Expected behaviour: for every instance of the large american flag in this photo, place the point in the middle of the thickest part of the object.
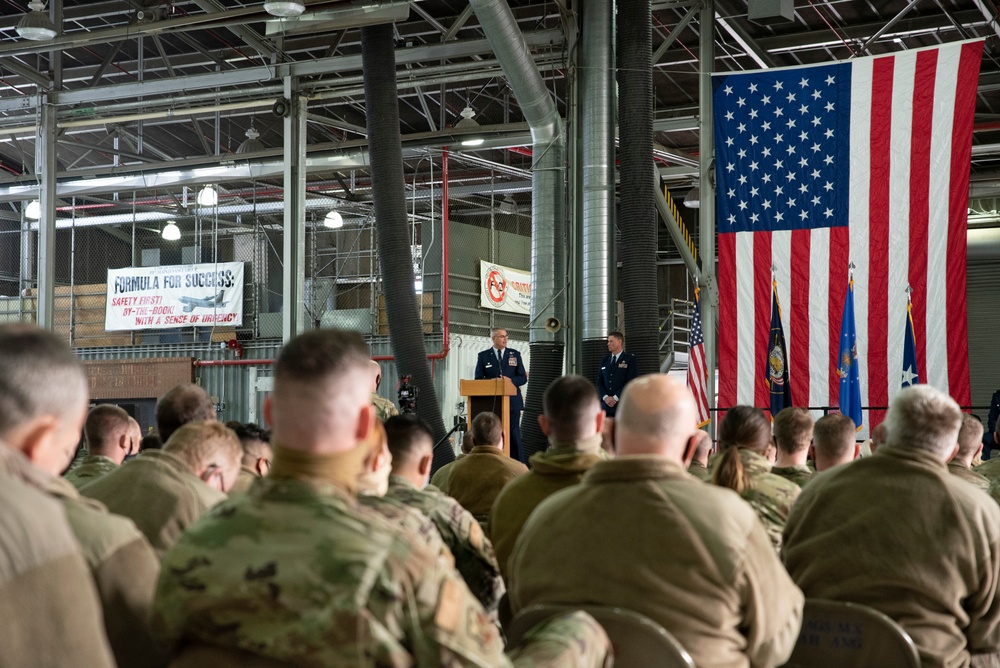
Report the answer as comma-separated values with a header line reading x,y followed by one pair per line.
x,y
864,161
697,376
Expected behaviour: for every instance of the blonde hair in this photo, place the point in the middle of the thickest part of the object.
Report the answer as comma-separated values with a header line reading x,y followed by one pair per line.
x,y
202,444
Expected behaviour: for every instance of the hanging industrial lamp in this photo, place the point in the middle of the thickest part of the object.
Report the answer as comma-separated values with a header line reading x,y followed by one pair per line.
x,y
36,24
34,210
170,231
208,196
252,144
284,8
333,220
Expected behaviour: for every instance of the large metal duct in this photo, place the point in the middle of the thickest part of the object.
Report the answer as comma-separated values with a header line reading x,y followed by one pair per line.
x,y
548,207
637,217
597,142
393,237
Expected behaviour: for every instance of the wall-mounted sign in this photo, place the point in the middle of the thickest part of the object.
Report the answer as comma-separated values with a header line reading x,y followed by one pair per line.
x,y
504,289
190,295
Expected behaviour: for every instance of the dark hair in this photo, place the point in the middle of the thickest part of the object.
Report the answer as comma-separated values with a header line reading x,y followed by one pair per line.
x,y
791,427
404,433
249,431
487,429
150,442
617,335
181,404
743,427
104,420
568,402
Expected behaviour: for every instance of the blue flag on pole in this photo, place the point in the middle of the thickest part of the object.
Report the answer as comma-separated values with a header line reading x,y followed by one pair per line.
x,y
777,359
911,374
847,365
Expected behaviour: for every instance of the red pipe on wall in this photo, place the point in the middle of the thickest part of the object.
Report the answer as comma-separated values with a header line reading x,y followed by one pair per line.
x,y
441,354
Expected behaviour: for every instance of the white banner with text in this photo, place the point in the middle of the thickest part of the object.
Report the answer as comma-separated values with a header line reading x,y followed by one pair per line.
x,y
190,295
504,289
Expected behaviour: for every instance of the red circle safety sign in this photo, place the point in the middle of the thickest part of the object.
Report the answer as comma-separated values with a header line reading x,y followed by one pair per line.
x,y
496,287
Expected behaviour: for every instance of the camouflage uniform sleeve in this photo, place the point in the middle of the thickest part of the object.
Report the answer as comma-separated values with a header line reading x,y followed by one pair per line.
x,y
574,639
476,560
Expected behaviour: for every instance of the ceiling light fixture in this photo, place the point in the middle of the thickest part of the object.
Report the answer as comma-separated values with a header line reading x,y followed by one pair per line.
x,y
34,210
252,142
693,198
170,231
36,24
208,196
468,122
333,220
284,8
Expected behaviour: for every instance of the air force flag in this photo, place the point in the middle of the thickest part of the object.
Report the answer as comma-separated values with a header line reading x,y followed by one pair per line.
x,y
847,362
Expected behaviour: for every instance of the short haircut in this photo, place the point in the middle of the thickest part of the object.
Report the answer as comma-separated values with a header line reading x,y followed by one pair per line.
x,y
921,417
487,429
878,434
204,443
970,436
256,440
39,375
468,442
617,335
103,422
745,427
793,428
181,404
405,434
494,330
150,442
833,435
570,402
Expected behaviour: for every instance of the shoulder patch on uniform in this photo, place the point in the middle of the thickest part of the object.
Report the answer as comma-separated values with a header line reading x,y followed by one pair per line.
x,y
449,609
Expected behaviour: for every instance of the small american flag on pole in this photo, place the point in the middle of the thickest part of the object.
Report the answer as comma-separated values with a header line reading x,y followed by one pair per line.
x,y
863,161
697,371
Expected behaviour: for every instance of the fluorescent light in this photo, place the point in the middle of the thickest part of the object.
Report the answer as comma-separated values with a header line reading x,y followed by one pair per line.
x,y
208,196
170,231
473,141
284,8
36,25
333,220
34,210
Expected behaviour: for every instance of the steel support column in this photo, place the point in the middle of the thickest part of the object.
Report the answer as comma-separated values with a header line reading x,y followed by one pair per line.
x,y
706,236
294,249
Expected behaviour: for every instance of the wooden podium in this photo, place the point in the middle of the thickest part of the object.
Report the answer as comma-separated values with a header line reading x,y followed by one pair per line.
x,y
493,396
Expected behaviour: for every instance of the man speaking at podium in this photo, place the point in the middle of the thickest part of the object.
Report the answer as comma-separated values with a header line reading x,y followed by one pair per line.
x,y
503,361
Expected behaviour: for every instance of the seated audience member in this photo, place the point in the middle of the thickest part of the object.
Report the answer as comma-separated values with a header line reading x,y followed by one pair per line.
x,y
163,491
43,403
257,454
990,469
699,463
181,404
384,409
371,592
793,431
834,441
477,478
936,572
111,437
970,444
639,533
410,443
150,442
875,439
608,437
440,478
572,419
744,436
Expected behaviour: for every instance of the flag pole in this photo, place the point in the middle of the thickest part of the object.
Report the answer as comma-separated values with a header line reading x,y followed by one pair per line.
x,y
706,185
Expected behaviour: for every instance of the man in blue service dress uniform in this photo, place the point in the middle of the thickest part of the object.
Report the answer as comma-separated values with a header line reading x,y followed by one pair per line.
x,y
618,368
503,361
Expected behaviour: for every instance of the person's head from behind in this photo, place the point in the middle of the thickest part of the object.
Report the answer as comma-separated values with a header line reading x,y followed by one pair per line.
x,y
572,410
321,400
376,371
878,436
256,443
834,441
468,442
43,396
109,432
923,418
743,427
970,439
487,429
793,430
210,450
150,442
411,445
181,404
657,417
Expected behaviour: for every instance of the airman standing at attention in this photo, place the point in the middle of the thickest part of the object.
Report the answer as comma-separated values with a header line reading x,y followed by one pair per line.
x,y
249,574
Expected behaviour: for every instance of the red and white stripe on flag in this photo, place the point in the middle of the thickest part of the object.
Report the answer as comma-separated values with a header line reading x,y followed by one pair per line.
x,y
697,375
910,149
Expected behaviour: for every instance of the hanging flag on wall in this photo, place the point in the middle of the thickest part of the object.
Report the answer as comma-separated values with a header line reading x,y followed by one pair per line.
x,y
865,160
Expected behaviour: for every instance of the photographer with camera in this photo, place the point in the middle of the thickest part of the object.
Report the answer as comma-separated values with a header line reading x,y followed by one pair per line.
x,y
503,361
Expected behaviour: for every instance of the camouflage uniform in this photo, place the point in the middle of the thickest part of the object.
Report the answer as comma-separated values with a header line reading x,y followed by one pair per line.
x,y
699,471
967,474
771,496
414,522
799,474
384,409
243,480
296,571
474,556
990,469
90,469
